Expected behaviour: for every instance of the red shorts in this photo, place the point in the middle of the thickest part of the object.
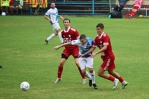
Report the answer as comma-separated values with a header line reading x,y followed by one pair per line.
x,y
108,63
136,7
73,51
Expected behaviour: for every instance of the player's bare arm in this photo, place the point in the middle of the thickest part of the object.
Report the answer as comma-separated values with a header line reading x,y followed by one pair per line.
x,y
99,51
62,45
61,17
47,18
89,51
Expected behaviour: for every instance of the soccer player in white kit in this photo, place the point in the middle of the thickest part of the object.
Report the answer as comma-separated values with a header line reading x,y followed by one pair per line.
x,y
84,44
52,16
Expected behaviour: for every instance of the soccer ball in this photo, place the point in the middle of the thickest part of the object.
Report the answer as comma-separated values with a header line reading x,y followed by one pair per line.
x,y
24,86
3,14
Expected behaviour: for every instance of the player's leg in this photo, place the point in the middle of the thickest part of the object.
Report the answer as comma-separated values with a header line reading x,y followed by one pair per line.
x,y
75,54
89,64
103,75
109,65
56,29
50,37
120,78
82,63
107,76
60,36
92,73
78,65
60,67
58,32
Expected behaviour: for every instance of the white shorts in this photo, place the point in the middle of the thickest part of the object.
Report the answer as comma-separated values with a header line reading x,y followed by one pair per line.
x,y
56,26
86,62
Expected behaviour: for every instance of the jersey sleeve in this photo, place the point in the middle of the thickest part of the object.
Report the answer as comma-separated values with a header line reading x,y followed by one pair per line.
x,y
77,34
75,42
48,13
106,40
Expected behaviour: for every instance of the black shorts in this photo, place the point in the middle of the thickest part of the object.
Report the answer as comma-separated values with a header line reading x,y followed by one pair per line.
x,y
64,56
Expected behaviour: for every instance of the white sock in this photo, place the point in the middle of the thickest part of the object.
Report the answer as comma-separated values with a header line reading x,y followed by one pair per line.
x,y
60,36
93,76
51,37
88,75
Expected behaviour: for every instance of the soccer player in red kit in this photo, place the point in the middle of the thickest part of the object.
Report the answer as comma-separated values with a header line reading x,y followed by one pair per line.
x,y
102,41
69,34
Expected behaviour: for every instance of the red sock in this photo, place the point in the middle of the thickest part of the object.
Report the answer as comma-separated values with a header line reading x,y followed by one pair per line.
x,y
83,76
111,78
121,79
60,69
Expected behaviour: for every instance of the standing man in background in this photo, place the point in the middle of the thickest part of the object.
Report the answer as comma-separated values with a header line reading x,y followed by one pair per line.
x,y
52,16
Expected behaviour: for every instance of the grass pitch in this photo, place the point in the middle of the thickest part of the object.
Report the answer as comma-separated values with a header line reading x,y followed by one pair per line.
x,y
25,57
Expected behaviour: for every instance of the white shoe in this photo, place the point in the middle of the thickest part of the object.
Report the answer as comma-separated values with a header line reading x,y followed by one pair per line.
x,y
57,80
83,81
124,83
115,83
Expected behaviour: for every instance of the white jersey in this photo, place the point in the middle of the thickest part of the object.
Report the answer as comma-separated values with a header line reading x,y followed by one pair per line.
x,y
53,15
85,61
85,47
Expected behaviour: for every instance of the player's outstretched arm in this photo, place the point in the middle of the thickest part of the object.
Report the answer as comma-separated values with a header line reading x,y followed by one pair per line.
x,y
47,18
61,17
62,45
99,51
89,51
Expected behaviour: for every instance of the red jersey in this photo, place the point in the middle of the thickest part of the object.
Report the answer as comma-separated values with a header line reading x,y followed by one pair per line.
x,y
68,36
102,40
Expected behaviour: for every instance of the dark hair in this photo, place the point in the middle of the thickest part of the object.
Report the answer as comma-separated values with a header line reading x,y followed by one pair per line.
x,y
66,19
100,25
82,36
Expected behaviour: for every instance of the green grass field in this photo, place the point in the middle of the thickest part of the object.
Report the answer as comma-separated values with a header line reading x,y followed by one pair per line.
x,y
25,57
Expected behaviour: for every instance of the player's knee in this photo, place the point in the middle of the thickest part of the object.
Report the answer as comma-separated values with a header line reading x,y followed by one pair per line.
x,y
56,32
110,72
100,74
91,70
83,72
61,63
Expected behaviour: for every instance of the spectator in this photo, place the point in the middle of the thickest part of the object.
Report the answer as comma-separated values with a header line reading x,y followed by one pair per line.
x,y
116,13
16,4
5,5
136,7
119,7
